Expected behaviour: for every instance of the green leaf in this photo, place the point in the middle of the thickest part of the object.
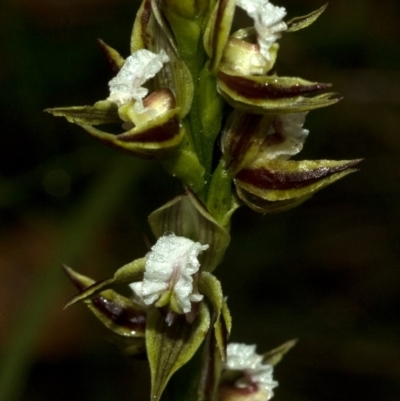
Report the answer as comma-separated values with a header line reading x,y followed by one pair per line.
x,y
274,356
186,216
103,112
298,23
171,347
127,274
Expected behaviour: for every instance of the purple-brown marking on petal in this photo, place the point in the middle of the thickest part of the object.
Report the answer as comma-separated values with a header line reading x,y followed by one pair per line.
x,y
106,52
283,180
145,18
247,124
121,315
160,133
257,90
218,19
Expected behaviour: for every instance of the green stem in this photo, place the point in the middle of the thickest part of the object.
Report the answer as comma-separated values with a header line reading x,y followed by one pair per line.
x,y
221,203
204,119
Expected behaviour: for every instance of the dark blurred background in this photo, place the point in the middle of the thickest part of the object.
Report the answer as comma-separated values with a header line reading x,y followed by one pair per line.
x,y
326,272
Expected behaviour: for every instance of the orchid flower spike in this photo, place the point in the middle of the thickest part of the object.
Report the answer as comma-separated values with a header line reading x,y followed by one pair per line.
x,y
242,357
170,266
267,22
139,67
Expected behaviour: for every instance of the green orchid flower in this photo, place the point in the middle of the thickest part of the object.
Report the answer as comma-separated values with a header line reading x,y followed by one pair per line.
x,y
256,150
243,61
175,299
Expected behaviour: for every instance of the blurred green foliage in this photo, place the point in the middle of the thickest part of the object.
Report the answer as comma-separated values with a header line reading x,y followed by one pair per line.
x,y
326,272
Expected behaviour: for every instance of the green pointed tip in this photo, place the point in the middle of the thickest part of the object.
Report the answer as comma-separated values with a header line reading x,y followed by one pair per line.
x,y
298,23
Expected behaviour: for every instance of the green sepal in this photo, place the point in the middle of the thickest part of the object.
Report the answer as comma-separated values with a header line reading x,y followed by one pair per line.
x,y
151,32
102,112
279,180
118,313
271,94
157,138
113,57
260,205
186,216
169,347
218,30
298,23
274,356
127,274
211,288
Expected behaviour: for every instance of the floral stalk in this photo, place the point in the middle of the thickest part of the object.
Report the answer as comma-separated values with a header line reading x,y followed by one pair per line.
x,y
208,105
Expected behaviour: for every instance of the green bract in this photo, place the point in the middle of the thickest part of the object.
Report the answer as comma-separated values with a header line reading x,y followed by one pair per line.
x,y
186,216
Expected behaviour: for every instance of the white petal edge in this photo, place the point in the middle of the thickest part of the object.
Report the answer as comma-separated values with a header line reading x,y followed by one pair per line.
x,y
244,358
267,22
139,67
292,137
170,265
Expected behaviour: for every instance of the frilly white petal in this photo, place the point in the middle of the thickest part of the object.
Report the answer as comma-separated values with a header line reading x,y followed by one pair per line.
x,y
267,22
171,264
291,137
244,358
139,67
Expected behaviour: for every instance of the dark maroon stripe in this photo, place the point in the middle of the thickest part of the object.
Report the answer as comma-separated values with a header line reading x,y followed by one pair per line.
x,y
256,90
269,179
160,133
121,315
218,20
114,67
144,20
244,128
